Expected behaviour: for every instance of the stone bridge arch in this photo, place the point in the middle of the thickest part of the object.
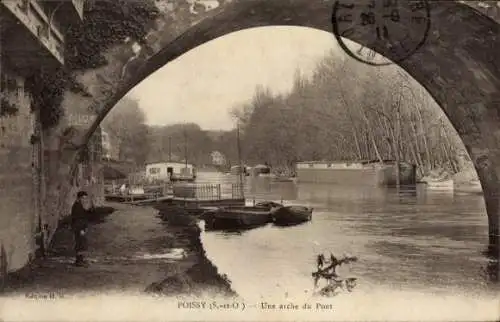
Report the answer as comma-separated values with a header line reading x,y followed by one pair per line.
x,y
458,65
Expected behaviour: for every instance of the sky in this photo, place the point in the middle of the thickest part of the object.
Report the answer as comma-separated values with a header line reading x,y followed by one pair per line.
x,y
203,85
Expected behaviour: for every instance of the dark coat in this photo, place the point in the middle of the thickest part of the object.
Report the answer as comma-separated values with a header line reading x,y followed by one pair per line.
x,y
79,217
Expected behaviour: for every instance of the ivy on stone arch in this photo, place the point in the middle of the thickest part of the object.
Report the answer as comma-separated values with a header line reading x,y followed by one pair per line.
x,y
106,23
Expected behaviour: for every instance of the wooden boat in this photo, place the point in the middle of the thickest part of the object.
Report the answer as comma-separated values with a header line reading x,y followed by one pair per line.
x,y
236,217
261,170
268,205
291,215
440,185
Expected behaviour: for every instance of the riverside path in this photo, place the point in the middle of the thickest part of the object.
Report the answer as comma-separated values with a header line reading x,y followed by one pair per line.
x,y
130,251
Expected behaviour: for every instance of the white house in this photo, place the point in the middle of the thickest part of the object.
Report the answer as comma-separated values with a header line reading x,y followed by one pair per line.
x,y
217,158
170,171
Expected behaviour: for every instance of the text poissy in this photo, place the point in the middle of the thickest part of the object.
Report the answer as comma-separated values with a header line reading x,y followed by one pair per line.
x,y
191,305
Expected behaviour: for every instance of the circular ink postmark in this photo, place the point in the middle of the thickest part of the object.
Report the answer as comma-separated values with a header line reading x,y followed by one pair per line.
x,y
393,28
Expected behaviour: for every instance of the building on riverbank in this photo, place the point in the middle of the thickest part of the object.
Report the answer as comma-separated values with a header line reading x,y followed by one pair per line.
x,y
32,36
218,159
370,172
170,172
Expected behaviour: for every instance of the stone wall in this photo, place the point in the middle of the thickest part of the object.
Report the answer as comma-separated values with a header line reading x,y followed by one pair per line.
x,y
17,215
23,202
62,183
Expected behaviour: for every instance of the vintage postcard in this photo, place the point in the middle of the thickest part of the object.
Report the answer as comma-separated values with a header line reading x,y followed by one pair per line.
x,y
249,160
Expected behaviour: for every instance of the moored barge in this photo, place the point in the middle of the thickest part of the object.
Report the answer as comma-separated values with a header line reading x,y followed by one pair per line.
x,y
372,172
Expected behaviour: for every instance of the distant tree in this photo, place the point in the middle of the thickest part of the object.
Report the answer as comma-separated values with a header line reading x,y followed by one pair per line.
x,y
347,111
226,143
128,132
180,140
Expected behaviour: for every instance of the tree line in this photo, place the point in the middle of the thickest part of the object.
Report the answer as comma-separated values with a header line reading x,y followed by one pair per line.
x,y
344,111
348,111
135,141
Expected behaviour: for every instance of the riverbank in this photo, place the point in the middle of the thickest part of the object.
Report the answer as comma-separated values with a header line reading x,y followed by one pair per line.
x,y
131,250
200,276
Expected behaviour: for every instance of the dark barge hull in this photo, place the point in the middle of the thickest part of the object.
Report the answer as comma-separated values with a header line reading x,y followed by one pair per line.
x,y
236,218
292,215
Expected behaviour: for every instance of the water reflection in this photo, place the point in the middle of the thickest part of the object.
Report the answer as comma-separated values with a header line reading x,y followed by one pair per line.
x,y
406,238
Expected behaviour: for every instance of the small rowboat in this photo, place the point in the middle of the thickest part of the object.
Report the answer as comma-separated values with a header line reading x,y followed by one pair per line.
x,y
236,217
271,205
292,215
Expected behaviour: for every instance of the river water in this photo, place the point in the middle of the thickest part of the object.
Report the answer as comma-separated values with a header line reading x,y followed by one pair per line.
x,y
412,240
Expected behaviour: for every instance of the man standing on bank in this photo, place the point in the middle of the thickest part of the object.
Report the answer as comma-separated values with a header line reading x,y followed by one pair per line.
x,y
79,224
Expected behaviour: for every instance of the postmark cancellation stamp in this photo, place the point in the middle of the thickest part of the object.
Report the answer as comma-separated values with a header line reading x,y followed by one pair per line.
x,y
386,31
